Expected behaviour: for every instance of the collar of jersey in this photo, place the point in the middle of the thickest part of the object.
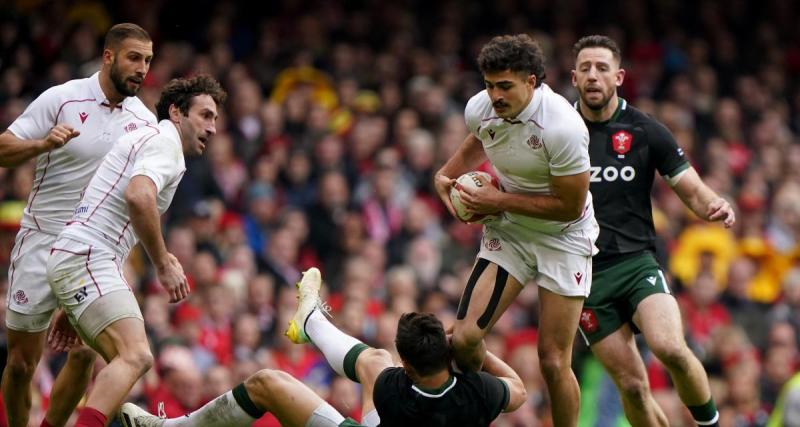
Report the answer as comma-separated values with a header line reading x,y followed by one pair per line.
x,y
622,104
97,91
439,391
531,108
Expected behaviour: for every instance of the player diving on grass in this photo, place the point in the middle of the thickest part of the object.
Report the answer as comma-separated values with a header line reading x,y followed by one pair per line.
x,y
422,391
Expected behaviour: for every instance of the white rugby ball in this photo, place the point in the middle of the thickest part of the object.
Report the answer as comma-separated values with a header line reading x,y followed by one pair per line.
x,y
470,180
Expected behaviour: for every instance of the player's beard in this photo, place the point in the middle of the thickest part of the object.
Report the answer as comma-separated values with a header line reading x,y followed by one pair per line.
x,y
121,82
597,105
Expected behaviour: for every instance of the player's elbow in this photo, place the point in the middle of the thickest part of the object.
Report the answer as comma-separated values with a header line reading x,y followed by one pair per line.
x,y
572,212
7,144
132,197
517,394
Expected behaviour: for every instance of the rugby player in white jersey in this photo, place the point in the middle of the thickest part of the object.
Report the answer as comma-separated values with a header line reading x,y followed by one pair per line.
x,y
68,128
545,233
122,205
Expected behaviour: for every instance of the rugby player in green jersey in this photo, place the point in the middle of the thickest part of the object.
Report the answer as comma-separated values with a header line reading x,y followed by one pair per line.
x,y
629,293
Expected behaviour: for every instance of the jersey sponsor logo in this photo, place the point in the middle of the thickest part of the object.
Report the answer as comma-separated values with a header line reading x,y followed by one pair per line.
x,y
130,127
651,279
589,322
534,142
493,245
611,173
83,116
491,133
20,297
621,143
578,277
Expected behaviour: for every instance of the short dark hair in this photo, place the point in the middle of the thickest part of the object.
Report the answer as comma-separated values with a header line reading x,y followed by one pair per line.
x,y
421,342
120,32
597,40
519,53
181,93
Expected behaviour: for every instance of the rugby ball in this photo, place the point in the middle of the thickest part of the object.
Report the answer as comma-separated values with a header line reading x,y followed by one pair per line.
x,y
470,180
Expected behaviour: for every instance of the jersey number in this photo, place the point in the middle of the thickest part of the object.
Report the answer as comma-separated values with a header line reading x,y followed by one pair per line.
x,y
611,173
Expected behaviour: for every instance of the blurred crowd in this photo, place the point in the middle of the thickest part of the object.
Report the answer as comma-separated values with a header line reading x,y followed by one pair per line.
x,y
338,115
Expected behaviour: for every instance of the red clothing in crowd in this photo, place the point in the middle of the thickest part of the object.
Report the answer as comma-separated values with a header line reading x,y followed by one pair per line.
x,y
701,321
172,406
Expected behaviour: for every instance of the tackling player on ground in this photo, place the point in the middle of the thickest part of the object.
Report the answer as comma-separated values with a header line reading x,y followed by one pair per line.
x,y
423,392
630,293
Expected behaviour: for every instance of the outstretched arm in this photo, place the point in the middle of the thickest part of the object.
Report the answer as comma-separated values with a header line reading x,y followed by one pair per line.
x,y
702,200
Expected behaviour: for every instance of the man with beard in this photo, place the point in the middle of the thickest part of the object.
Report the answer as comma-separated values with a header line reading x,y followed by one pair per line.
x,y
68,129
538,146
630,293
123,204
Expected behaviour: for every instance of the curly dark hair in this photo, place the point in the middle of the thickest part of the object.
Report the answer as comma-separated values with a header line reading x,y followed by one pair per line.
x,y
181,93
421,342
519,53
597,40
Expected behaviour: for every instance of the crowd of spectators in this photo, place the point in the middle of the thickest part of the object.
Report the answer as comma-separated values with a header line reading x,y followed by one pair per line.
x,y
338,115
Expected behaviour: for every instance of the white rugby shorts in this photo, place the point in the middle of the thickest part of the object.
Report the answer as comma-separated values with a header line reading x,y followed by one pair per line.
x,y
561,263
88,283
29,300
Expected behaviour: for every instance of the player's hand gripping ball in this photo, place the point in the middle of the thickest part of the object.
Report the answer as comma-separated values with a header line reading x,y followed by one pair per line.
x,y
470,180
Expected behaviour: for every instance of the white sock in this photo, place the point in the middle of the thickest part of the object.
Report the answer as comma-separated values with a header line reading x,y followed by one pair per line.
x,y
220,412
332,342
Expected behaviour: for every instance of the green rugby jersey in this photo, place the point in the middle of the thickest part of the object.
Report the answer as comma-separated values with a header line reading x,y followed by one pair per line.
x,y
625,152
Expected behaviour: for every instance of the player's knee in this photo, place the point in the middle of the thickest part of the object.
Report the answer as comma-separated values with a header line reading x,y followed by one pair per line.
x,y
20,366
371,363
265,383
635,390
140,359
81,357
466,338
552,362
672,355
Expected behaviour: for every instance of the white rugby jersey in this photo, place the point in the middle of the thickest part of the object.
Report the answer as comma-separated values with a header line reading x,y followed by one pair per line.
x,y
548,138
62,174
101,217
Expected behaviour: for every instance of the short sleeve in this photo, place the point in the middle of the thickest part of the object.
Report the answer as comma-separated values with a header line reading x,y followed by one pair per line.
x,y
496,394
568,150
40,116
472,115
668,156
158,160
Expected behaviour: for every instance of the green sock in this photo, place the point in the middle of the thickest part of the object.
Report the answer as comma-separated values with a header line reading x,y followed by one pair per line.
x,y
705,414
349,364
